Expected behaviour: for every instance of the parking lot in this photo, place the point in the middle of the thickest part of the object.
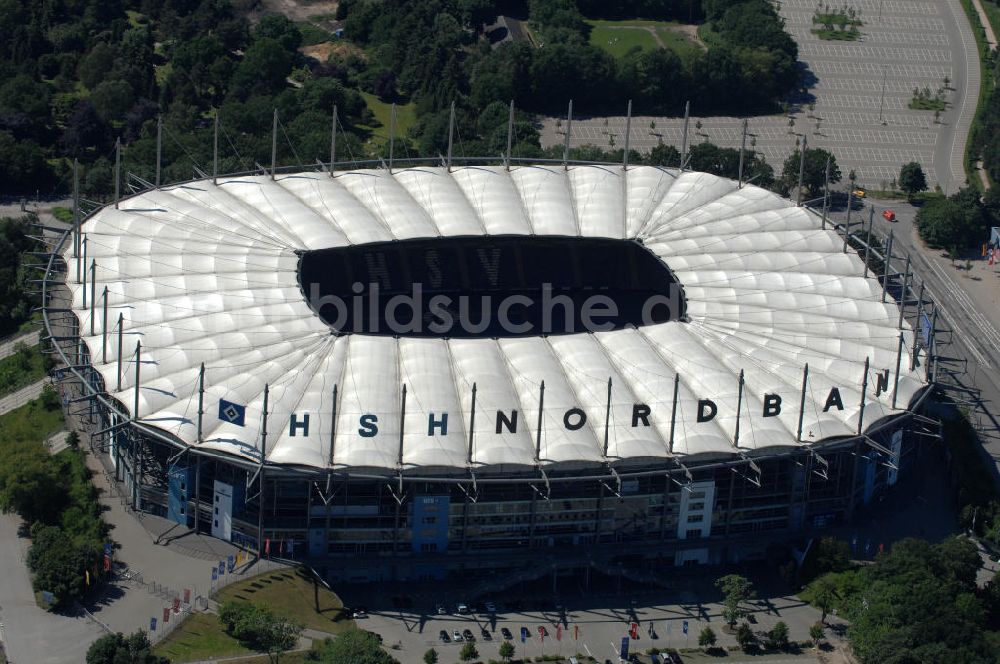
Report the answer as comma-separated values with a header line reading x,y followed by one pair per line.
x,y
574,620
904,45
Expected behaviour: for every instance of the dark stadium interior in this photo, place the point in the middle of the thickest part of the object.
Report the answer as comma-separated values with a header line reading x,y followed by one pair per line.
x,y
500,286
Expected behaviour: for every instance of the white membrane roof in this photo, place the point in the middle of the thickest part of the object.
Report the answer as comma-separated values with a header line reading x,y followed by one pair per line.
x,y
207,274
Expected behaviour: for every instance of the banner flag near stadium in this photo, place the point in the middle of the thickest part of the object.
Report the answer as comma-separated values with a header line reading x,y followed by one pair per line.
x,y
558,632
231,563
233,413
222,568
107,563
267,547
576,632
624,649
152,624
215,574
86,576
541,633
524,634
166,615
177,604
187,595
685,626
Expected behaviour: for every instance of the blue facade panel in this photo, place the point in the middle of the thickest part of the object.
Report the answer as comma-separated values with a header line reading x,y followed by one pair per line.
x,y
178,485
430,523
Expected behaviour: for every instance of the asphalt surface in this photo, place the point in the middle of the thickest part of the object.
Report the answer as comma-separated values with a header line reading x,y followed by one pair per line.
x,y
912,45
969,319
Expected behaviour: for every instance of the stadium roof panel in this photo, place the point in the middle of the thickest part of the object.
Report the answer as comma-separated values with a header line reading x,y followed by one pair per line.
x,y
205,273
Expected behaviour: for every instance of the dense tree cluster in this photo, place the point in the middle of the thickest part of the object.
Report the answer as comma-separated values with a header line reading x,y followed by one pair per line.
x,y
918,603
75,75
57,500
15,302
119,649
960,221
355,646
985,136
258,628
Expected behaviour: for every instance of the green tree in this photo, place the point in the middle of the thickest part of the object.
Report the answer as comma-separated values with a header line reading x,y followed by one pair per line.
x,y
506,651
118,649
707,638
263,70
824,592
745,637
912,179
431,656
354,646
736,589
281,29
58,564
259,628
469,652
814,171
112,99
777,638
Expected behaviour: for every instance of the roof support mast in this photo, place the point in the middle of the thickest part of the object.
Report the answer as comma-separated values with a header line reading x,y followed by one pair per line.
x,y
743,147
739,408
868,238
201,401
118,170
76,215
333,426
569,132
93,292
802,170
104,328
121,324
159,147
274,143
260,471
138,365
392,134
684,138
673,413
628,131
510,134
826,191
802,402
472,426
451,136
864,389
895,376
333,141
902,292
607,420
888,258
215,150
538,431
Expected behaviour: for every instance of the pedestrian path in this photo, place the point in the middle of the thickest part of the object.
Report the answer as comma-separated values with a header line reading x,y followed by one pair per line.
x,y
8,347
22,396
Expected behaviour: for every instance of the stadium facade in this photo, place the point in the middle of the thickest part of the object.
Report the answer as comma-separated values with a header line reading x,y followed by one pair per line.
x,y
239,348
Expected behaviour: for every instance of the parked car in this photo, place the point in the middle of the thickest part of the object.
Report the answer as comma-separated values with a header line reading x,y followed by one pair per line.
x,y
456,636
444,636
486,634
505,633
490,607
469,636
463,609
359,612
859,193
889,215
441,610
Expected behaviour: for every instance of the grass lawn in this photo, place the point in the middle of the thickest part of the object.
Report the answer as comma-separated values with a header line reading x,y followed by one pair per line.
x,y
22,368
293,595
30,422
928,104
200,636
619,37
406,116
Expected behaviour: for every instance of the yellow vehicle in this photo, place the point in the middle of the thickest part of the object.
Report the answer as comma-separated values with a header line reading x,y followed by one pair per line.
x,y
859,193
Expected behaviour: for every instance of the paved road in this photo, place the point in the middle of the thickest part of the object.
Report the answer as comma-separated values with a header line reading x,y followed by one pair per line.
x,y
969,320
22,396
913,44
7,348
31,635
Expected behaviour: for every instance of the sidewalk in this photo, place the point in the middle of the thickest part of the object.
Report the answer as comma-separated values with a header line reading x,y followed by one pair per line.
x,y
22,396
991,38
8,347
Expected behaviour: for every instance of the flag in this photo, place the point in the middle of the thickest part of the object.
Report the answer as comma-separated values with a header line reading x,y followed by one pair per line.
x,y
282,547
576,632
624,648
541,633
215,574
187,595
107,563
633,630
222,568
524,634
267,547
233,413
558,632
231,562
152,624
177,604
685,626
166,615
881,547
86,576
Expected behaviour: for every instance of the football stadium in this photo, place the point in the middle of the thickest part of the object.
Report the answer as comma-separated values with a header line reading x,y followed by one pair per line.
x,y
431,370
